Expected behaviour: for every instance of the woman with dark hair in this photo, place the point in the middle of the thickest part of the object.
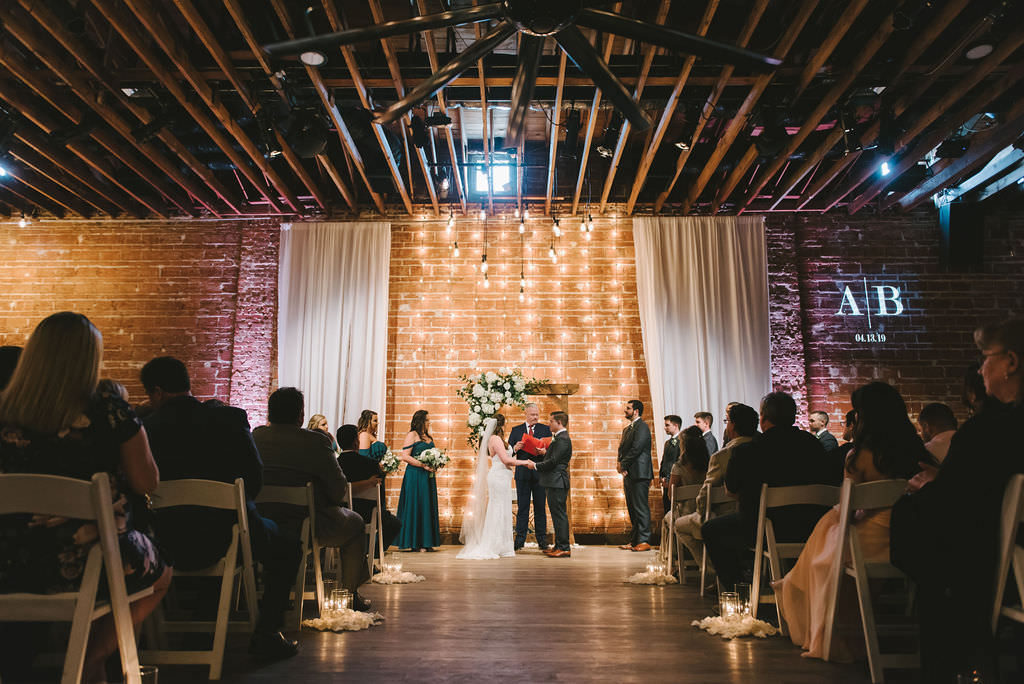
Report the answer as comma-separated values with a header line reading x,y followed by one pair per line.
x,y
417,504
53,421
885,446
945,535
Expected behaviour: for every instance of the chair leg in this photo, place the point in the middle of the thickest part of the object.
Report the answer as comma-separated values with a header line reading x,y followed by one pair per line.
x,y
867,617
682,563
703,569
220,630
755,585
318,577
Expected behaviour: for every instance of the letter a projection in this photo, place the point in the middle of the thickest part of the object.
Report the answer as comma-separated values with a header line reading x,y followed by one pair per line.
x,y
849,300
894,297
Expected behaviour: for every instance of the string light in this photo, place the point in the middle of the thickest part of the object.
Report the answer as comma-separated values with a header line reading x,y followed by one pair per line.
x,y
483,263
22,222
451,221
556,228
456,251
483,214
522,224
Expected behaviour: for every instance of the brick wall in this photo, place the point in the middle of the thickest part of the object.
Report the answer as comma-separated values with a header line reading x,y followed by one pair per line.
x,y
927,348
204,291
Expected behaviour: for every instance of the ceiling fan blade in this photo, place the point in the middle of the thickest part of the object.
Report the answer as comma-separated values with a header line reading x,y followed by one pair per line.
x,y
587,58
327,41
674,40
449,72
522,87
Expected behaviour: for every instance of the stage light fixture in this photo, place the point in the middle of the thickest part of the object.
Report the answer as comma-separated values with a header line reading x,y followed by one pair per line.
x,y
438,119
682,145
572,134
979,51
419,132
313,58
611,136
3,171
884,168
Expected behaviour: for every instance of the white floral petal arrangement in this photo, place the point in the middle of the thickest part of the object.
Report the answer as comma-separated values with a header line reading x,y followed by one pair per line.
x,y
389,462
655,577
487,392
397,577
344,621
732,626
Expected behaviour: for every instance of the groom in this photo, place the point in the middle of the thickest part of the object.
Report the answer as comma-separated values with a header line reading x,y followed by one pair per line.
x,y
554,477
528,481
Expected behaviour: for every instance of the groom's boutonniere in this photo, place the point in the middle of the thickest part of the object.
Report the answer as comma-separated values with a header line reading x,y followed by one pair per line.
x,y
674,441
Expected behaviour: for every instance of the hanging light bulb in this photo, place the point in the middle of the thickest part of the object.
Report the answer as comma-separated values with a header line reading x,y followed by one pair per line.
x,y
515,212
483,214
22,222
551,252
522,225
522,281
451,221
526,212
487,283
583,225
456,248
586,236
522,295
590,223
556,228
483,263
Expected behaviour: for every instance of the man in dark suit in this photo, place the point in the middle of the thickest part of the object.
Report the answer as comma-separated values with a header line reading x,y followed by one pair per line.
x,y
669,455
818,426
528,484
553,471
364,471
293,456
634,463
209,441
704,421
782,455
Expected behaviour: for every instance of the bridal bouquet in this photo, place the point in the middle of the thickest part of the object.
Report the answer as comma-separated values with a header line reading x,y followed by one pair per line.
x,y
389,463
434,458
487,392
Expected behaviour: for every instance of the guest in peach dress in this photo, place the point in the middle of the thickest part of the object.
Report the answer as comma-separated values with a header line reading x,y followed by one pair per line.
x,y
886,446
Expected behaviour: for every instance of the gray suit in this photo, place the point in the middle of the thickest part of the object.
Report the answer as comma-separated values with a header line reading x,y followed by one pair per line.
x,y
293,456
554,477
635,459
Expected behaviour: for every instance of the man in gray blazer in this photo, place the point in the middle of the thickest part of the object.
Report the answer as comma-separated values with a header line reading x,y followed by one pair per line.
x,y
554,477
634,464
293,456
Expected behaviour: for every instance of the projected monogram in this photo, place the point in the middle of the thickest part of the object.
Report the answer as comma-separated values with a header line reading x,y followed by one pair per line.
x,y
872,302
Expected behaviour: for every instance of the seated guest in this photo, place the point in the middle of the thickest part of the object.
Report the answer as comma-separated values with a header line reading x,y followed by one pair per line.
x,y
974,396
207,441
945,535
886,447
740,428
318,422
364,472
689,469
818,425
293,456
938,425
9,356
704,420
669,456
782,456
54,422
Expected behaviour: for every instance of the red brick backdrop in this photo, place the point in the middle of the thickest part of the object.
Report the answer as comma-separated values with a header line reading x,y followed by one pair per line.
x,y
206,292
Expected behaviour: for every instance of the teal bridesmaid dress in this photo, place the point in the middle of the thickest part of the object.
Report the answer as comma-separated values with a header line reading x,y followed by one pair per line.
x,y
376,451
417,506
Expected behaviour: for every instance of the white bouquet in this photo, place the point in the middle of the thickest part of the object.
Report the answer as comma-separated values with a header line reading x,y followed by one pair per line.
x,y
389,463
433,458
487,392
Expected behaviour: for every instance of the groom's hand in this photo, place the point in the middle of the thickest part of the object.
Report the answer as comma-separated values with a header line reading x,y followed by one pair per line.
x,y
531,465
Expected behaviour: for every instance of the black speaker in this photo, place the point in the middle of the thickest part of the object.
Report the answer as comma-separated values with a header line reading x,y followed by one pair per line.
x,y
962,230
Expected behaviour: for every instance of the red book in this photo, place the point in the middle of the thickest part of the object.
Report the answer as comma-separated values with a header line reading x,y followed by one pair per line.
x,y
531,444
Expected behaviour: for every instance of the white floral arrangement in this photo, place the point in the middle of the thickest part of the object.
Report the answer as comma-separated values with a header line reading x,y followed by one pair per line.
x,y
434,458
487,392
733,626
389,463
344,621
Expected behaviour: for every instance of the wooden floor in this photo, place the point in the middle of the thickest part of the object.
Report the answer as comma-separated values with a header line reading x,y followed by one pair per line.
x,y
532,619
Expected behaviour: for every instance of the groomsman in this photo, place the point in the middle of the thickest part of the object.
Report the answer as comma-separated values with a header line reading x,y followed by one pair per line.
x,y
528,481
669,455
634,463
704,420
554,475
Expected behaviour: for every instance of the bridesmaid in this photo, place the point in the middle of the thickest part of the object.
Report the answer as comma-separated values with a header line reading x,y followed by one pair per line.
x,y
417,505
368,444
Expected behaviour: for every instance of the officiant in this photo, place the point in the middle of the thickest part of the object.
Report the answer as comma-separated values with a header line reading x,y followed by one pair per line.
x,y
528,481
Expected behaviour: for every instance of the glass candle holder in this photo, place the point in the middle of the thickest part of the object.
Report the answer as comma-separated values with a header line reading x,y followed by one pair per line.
x,y
342,599
728,603
743,594
329,587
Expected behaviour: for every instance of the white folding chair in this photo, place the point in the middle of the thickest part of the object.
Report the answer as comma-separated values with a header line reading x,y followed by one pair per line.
x,y
767,548
218,495
1011,553
716,497
81,500
301,497
375,540
868,496
680,495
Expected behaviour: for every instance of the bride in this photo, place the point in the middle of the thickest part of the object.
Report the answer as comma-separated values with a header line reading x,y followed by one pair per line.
x,y
487,518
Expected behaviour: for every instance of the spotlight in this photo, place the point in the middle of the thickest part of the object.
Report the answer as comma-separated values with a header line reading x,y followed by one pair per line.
x,y
953,147
682,145
313,58
979,51
438,119
885,170
3,171
419,132
611,136
307,133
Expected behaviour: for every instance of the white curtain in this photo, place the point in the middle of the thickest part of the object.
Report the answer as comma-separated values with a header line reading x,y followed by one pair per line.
x,y
702,287
332,328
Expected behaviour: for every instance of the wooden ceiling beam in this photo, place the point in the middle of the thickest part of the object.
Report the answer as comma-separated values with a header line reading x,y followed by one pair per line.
x,y
157,32
556,126
396,76
34,80
50,190
327,101
213,46
84,56
56,174
921,42
645,68
753,19
658,136
442,105
592,121
477,31
238,14
951,122
32,196
364,96
811,69
863,57
739,120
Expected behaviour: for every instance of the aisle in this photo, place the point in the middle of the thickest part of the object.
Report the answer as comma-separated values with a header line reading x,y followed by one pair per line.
x,y
536,619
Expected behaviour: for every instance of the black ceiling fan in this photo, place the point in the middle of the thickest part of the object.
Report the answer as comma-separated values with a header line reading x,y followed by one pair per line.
x,y
535,20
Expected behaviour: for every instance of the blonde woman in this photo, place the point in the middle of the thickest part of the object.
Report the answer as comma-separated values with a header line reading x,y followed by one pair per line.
x,y
53,421
318,423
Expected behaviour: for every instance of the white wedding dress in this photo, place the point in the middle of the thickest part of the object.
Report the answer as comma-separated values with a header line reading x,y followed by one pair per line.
x,y
487,518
